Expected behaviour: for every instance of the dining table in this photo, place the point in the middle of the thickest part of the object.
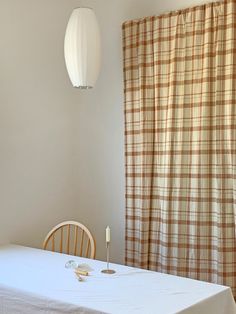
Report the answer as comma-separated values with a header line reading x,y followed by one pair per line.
x,y
36,281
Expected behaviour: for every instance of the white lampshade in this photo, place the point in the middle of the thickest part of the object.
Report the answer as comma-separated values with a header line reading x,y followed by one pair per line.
x,y
82,48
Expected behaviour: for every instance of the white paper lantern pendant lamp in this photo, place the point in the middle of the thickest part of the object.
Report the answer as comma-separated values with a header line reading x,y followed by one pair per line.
x,y
82,48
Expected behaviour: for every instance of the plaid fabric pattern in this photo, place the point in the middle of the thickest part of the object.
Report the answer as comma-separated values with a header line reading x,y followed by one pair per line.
x,y
180,142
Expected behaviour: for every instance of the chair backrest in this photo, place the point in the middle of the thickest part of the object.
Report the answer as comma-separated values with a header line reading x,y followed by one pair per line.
x,y
71,237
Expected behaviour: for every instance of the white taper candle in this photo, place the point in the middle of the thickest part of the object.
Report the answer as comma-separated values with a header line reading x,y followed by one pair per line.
x,y
108,234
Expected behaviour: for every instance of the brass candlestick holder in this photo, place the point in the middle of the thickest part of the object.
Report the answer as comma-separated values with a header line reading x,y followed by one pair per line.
x,y
108,270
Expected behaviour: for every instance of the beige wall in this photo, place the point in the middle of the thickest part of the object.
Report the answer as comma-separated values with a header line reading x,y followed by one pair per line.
x,y
36,109
62,149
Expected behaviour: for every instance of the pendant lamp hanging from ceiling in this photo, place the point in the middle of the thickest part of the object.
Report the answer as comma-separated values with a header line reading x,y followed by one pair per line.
x,y
82,48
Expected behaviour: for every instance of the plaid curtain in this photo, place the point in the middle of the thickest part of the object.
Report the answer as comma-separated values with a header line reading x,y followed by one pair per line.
x,y
180,142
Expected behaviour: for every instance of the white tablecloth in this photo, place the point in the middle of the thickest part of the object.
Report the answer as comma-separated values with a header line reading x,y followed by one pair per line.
x,y
36,281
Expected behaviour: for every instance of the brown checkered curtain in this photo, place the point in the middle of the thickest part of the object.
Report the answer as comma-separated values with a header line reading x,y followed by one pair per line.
x,y
180,121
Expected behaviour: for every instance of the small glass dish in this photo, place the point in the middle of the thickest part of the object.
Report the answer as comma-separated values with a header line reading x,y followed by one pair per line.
x,y
71,264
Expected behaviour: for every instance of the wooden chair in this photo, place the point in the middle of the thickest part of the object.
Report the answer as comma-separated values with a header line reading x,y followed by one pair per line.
x,y
71,237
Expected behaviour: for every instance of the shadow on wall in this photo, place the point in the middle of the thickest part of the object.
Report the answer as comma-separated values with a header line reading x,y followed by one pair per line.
x,y
158,7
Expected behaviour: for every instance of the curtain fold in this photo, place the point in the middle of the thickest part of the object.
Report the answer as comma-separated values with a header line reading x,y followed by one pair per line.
x,y
180,142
